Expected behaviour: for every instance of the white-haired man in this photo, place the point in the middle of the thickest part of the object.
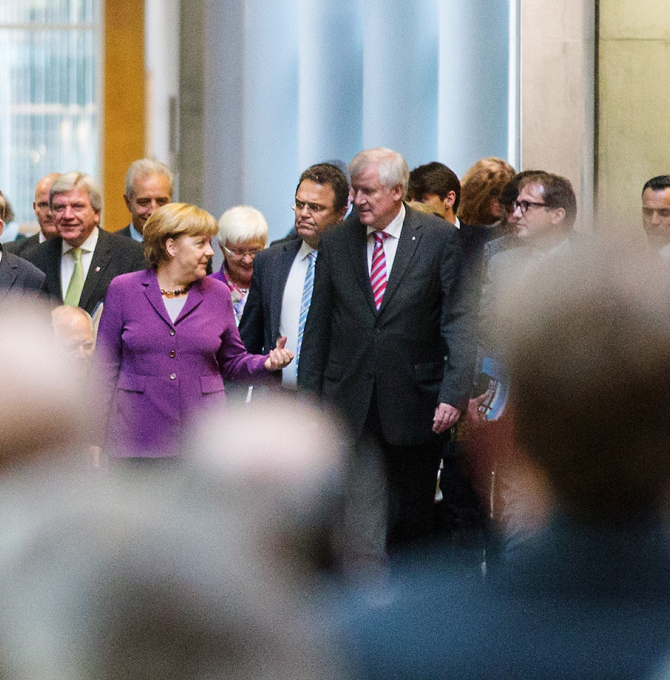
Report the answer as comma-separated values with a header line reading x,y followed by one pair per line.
x,y
149,185
388,342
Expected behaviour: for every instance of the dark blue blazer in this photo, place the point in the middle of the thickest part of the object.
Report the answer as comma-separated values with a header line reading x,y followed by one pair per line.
x,y
575,603
259,325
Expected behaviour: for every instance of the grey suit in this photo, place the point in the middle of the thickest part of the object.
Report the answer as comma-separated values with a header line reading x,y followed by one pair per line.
x,y
19,276
113,255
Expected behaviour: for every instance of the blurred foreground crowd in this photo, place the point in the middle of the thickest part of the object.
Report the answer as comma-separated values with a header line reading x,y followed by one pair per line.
x,y
423,435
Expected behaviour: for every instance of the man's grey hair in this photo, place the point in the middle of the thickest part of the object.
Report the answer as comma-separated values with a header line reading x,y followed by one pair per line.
x,y
144,167
393,169
74,179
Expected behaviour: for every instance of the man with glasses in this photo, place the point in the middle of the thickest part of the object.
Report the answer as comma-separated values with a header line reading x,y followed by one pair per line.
x,y
281,285
543,215
656,214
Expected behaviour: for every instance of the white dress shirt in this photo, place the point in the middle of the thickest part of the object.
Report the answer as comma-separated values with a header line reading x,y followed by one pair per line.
x,y
289,320
390,244
67,259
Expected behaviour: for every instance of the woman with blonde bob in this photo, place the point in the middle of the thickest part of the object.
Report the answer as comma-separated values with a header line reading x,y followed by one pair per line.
x,y
168,338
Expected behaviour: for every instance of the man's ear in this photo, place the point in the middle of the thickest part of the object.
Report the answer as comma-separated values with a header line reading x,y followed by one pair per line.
x,y
397,192
450,200
559,215
2,226
127,200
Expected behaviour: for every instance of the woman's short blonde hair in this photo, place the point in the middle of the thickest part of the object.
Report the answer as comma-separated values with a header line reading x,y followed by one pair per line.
x,y
171,221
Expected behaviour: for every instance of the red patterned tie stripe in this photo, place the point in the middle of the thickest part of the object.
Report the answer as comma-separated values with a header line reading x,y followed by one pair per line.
x,y
378,269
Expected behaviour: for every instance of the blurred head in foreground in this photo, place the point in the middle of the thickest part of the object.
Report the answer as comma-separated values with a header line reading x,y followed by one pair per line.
x,y
141,580
44,404
73,328
587,344
281,460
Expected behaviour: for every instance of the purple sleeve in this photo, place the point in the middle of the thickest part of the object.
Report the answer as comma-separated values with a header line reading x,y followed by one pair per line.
x,y
235,362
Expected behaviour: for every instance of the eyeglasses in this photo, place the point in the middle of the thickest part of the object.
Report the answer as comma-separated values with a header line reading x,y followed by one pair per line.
x,y
242,253
524,205
313,208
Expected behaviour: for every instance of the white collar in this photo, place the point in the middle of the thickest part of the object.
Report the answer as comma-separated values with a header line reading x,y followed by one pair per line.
x,y
88,245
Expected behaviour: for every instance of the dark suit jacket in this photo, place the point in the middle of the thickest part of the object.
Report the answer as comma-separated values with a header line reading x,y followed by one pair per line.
x,y
113,255
259,326
416,351
124,232
25,247
574,604
19,276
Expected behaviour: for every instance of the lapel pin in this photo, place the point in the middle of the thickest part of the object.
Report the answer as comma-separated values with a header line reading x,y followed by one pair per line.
x,y
97,269
413,238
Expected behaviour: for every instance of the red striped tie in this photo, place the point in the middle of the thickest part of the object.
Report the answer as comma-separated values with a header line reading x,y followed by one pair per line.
x,y
378,269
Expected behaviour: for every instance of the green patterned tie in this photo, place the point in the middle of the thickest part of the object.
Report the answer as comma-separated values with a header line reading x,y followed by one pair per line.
x,y
77,281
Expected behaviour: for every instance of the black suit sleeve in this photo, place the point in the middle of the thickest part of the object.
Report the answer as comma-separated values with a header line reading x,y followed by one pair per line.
x,y
456,326
252,329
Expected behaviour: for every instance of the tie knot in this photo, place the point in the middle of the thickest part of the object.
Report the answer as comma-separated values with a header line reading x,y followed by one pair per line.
x,y
380,237
77,253
312,255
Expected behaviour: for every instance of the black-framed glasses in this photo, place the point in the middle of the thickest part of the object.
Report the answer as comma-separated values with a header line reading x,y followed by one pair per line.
x,y
524,205
313,208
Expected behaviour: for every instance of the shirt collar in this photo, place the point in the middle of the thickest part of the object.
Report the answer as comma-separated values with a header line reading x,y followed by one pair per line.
x,y
88,245
305,250
135,235
395,227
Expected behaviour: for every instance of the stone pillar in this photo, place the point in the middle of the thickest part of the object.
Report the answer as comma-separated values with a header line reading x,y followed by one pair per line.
x,y
558,94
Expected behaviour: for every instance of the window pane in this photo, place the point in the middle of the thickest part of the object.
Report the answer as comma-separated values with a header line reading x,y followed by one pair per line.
x,y
49,108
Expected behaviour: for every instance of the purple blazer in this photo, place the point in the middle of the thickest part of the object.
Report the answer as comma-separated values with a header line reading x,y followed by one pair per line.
x,y
159,372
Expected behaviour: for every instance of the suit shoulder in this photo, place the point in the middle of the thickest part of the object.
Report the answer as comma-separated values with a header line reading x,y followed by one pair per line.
x,y
26,268
129,280
121,243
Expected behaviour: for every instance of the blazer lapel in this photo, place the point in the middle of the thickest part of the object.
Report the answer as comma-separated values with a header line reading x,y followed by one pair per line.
x,y
407,244
279,278
359,258
192,301
102,256
153,294
52,268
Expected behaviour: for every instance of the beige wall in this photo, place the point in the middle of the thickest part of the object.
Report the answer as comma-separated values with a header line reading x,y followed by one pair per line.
x,y
557,93
634,124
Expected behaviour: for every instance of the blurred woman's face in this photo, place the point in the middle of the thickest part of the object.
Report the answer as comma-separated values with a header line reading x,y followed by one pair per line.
x,y
239,259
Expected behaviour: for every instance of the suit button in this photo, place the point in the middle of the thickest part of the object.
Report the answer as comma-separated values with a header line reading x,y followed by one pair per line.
x,y
172,331
173,376
173,354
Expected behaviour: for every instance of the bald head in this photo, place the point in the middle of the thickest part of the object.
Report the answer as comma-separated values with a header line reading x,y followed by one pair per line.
x,y
73,328
41,205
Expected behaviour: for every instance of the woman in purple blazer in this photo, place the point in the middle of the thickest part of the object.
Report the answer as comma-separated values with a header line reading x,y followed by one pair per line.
x,y
168,338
